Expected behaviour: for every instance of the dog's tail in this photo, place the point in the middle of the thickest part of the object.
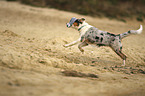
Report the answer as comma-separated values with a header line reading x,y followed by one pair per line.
x,y
139,31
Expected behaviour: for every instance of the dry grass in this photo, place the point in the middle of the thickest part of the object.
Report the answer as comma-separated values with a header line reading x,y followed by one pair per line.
x,y
33,61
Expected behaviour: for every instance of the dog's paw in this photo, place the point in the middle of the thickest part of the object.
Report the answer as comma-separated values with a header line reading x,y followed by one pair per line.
x,y
65,46
82,51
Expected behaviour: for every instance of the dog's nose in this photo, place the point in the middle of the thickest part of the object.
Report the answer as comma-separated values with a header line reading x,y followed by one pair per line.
x,y
68,25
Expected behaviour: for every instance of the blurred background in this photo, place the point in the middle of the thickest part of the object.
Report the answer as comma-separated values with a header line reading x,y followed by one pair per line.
x,y
118,9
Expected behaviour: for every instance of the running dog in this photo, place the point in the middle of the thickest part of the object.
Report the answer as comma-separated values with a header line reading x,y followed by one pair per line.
x,y
94,36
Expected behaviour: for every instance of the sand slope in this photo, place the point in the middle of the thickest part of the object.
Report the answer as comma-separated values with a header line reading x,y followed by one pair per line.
x,y
33,61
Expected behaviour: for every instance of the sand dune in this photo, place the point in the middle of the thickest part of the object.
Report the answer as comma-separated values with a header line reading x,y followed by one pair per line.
x,y
33,61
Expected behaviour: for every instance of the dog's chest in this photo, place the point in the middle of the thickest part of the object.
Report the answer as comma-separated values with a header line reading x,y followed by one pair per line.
x,y
97,37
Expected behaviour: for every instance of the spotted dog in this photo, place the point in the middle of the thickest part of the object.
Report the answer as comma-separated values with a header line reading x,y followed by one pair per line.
x,y
94,36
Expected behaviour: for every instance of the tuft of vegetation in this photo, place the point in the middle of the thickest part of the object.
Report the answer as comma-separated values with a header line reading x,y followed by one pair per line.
x,y
139,19
109,8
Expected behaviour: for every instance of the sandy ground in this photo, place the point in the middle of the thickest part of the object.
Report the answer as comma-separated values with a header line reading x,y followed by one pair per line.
x,y
33,61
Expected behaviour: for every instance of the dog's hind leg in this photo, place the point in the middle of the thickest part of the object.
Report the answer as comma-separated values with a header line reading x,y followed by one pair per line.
x,y
117,48
83,44
123,56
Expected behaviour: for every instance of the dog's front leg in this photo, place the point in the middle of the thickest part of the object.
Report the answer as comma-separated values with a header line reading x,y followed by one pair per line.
x,y
83,44
72,43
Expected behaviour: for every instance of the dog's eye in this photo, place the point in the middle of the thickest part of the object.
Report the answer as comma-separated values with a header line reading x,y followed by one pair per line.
x,y
77,21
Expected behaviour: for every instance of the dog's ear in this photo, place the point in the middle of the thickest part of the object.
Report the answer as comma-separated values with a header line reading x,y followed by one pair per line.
x,y
82,20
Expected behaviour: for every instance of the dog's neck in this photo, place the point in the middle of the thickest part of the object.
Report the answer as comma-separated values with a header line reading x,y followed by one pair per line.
x,y
82,28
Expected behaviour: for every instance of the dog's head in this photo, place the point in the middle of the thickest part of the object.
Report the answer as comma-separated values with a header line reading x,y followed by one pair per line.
x,y
74,22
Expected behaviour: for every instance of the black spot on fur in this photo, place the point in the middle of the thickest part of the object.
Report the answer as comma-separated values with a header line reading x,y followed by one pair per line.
x,y
108,33
101,34
121,48
88,36
82,38
101,39
96,37
129,32
113,40
111,34
118,35
101,45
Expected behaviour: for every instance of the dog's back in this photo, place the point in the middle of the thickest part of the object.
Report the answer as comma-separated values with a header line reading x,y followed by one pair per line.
x,y
97,37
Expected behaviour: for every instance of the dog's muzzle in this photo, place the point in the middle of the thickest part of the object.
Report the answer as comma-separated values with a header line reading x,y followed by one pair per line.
x,y
68,25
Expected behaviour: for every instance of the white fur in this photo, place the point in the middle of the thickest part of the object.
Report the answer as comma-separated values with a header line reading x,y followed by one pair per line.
x,y
85,28
123,63
139,31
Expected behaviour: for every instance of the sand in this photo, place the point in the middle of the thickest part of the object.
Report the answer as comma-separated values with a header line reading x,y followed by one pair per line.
x,y
33,61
